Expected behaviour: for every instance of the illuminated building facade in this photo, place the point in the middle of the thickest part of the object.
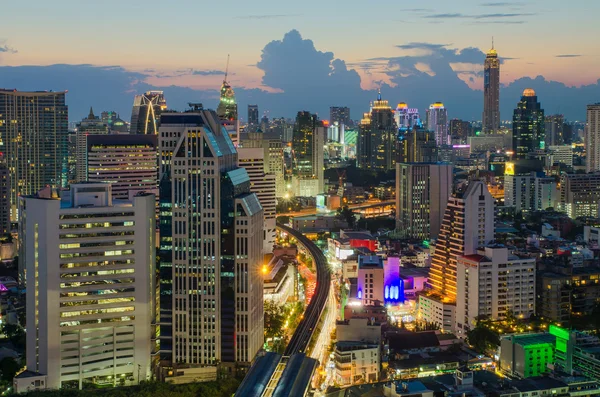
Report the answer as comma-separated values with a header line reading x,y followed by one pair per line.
x,y
422,192
91,287
580,194
273,156
370,282
145,115
127,162
592,138
393,286
460,131
406,117
308,154
253,119
34,132
91,125
554,130
437,121
491,92
468,223
417,145
340,114
5,227
217,254
528,125
377,137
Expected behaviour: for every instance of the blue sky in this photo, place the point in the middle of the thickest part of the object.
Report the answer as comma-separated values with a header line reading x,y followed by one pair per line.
x,y
185,43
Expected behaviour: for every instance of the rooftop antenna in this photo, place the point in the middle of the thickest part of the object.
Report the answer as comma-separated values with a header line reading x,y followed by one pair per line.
x,y
492,44
226,69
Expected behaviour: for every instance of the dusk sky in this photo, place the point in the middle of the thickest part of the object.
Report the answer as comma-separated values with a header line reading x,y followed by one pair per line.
x,y
185,43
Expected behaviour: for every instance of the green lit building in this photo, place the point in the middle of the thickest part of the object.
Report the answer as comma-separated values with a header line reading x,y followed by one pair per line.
x,y
527,355
577,352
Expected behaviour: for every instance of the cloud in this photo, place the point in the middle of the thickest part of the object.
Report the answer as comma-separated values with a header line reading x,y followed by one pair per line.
x,y
5,48
267,16
478,16
501,4
445,16
208,72
568,56
500,22
422,46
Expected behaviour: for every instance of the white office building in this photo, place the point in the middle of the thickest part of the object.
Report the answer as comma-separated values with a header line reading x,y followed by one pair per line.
x,y
530,192
89,264
491,284
561,154
356,362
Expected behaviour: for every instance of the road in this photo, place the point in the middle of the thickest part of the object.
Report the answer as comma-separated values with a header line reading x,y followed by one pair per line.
x,y
313,211
301,338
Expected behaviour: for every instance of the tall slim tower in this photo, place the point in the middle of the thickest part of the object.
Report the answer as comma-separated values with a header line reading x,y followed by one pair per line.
x,y
34,132
378,134
528,125
592,138
91,125
491,92
468,223
145,115
253,119
217,238
437,121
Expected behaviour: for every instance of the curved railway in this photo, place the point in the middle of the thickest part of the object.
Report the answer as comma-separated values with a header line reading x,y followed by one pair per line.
x,y
301,338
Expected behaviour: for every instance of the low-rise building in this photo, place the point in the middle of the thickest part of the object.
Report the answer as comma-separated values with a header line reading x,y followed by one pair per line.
x,y
279,282
358,329
436,310
356,362
527,355
317,223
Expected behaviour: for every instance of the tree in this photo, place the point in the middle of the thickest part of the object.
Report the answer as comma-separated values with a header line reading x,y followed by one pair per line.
x,y
482,338
345,214
274,319
9,368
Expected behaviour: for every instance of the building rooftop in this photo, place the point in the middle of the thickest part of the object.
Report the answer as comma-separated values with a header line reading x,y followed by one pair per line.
x,y
370,262
413,340
533,339
345,346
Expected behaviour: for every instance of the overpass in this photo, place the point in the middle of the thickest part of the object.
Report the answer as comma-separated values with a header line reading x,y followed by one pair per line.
x,y
290,374
357,208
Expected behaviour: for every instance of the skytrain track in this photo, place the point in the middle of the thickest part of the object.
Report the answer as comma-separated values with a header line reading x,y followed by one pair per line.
x,y
301,338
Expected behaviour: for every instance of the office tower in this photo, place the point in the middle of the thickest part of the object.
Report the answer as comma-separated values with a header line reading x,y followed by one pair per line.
x,y
530,192
468,224
491,92
90,277
580,194
406,117
378,134
417,146
227,110
592,138
493,284
562,154
263,184
273,155
91,125
34,132
308,154
127,162
4,198
422,192
341,115
217,240
172,126
437,121
460,130
145,116
554,129
253,119
528,125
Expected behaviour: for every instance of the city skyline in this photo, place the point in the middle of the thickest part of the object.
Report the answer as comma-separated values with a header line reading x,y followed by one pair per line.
x,y
260,75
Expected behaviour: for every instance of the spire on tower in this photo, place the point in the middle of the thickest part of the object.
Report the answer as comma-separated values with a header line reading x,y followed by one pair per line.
x,y
379,94
226,69
492,42
91,116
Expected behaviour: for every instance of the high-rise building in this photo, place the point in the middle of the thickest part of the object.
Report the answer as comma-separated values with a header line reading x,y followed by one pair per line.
x,y
530,191
217,254
592,138
562,154
34,132
308,154
340,114
437,121
406,118
127,162
273,155
91,125
263,184
145,116
4,198
580,194
468,224
89,265
491,92
460,131
528,125
422,192
417,146
554,129
378,135
493,284
253,119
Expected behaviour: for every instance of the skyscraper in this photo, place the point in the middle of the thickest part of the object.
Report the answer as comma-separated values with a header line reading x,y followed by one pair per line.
x,y
91,125
4,198
406,117
459,131
468,224
417,145
253,119
341,114
528,125
378,135
422,191
34,132
217,238
127,162
145,116
308,154
273,155
437,121
491,92
592,138
90,277
227,110
554,130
